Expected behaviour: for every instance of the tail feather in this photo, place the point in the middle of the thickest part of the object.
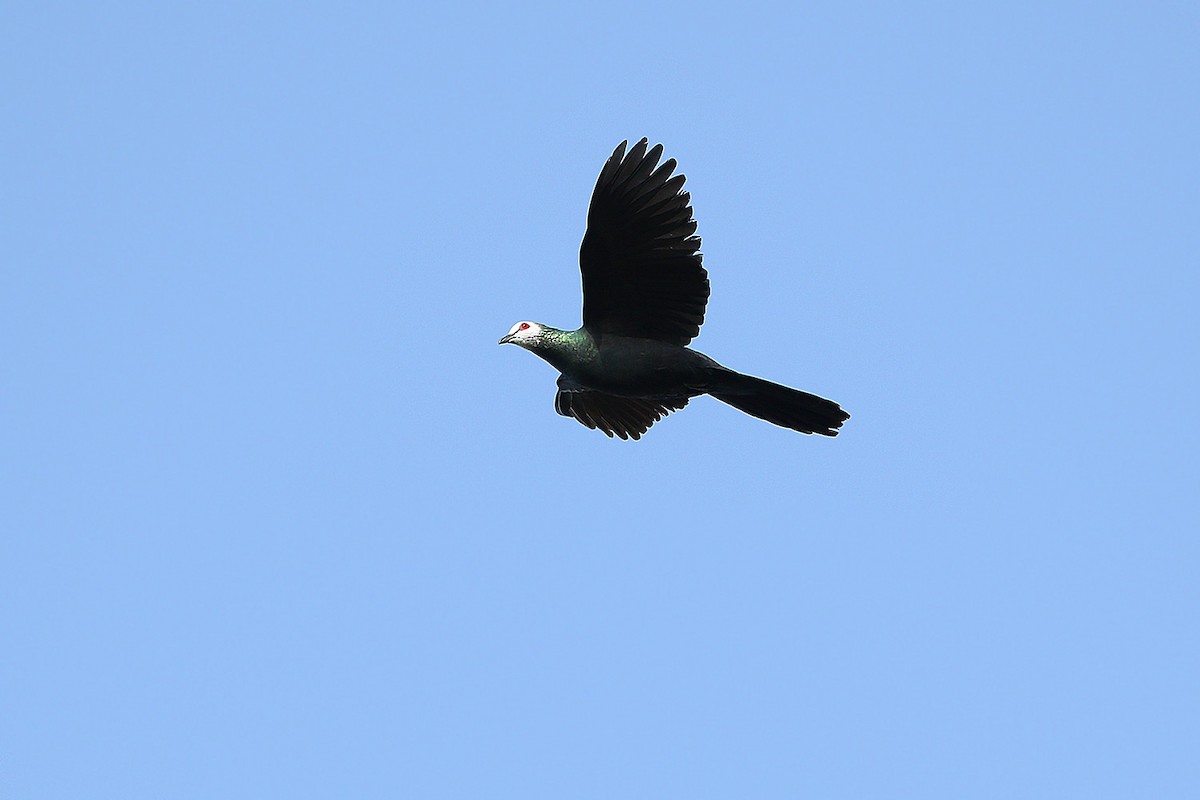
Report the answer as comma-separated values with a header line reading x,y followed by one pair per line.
x,y
780,405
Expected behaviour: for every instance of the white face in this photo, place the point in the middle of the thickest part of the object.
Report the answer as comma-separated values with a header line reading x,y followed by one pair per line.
x,y
524,332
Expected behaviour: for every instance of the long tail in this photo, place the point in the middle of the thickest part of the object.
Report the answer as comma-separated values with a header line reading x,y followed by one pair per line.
x,y
790,408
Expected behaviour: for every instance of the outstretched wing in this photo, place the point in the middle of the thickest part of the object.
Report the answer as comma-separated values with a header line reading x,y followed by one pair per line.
x,y
641,270
626,417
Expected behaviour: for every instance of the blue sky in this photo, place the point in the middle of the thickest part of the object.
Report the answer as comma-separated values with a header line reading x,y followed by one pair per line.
x,y
281,520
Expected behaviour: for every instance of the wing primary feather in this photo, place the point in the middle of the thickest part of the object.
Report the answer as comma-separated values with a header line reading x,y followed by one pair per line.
x,y
611,166
627,420
632,161
661,193
642,170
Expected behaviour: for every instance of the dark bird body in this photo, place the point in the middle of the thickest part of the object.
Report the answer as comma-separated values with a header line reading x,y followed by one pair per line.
x,y
644,293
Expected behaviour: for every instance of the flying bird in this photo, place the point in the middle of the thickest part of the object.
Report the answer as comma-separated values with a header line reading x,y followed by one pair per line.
x,y
644,294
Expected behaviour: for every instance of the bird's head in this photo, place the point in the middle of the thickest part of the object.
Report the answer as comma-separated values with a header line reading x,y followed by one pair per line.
x,y
524,334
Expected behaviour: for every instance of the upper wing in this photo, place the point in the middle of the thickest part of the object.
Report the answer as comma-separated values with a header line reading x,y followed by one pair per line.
x,y
627,417
641,273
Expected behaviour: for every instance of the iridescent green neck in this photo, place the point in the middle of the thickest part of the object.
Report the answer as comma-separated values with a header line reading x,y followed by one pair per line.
x,y
565,349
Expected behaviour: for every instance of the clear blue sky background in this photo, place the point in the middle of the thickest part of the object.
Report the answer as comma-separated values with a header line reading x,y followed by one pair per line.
x,y
281,520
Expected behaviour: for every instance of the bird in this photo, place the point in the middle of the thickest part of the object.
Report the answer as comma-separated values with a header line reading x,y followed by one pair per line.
x,y
644,296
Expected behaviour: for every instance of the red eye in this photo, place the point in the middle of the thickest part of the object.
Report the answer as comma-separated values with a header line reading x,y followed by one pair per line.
x,y
524,326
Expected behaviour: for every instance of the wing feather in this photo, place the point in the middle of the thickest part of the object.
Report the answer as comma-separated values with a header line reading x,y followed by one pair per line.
x,y
640,259
624,417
